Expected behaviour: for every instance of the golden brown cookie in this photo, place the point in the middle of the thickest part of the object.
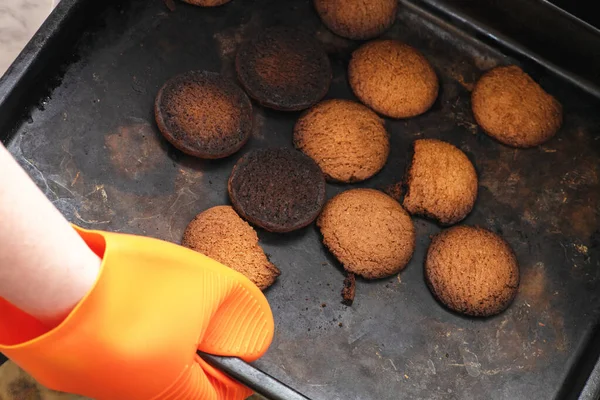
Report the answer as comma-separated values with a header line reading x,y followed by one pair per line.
x,y
472,271
441,182
284,69
207,3
393,78
222,235
357,19
203,114
346,139
278,189
368,232
512,108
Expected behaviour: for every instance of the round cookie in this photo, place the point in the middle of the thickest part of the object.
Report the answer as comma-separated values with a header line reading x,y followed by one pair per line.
x,y
357,19
393,78
472,271
207,3
219,233
280,190
346,139
368,232
203,114
441,182
284,68
512,108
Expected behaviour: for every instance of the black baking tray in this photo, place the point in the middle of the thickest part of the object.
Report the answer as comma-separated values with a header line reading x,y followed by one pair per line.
x,y
76,111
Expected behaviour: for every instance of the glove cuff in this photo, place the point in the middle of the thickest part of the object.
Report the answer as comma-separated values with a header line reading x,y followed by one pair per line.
x,y
34,347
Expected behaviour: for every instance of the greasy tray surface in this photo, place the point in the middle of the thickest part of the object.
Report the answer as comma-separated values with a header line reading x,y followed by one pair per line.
x,y
94,149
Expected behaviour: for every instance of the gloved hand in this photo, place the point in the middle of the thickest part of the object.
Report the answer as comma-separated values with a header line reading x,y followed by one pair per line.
x,y
135,334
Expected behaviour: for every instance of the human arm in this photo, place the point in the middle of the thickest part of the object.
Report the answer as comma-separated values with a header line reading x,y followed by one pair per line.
x,y
45,266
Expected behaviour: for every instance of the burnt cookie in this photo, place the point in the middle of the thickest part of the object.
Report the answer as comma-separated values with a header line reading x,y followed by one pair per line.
x,y
472,271
513,109
203,114
346,139
368,232
284,69
393,78
207,3
441,182
277,189
219,233
357,19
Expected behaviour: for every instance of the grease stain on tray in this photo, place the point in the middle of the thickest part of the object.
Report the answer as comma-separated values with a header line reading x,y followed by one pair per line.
x,y
470,361
533,287
135,150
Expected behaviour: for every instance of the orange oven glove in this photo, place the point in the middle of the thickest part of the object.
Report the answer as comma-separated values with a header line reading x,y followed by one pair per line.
x,y
135,334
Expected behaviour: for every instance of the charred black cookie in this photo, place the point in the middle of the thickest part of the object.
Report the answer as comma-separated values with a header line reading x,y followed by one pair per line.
x,y
204,114
284,68
280,189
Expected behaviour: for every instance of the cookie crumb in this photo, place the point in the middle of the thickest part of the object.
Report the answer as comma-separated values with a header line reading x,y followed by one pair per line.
x,y
349,290
394,191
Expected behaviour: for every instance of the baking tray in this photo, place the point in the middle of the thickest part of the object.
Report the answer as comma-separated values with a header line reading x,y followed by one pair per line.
x,y
76,111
